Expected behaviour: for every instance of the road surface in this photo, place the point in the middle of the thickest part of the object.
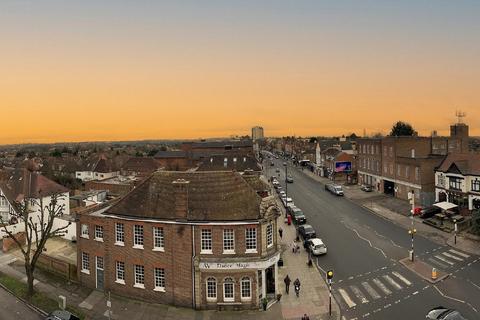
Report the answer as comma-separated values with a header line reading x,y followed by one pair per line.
x,y
364,250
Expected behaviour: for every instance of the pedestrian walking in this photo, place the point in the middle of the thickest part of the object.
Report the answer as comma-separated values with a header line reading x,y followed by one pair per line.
x,y
280,232
287,283
294,246
296,284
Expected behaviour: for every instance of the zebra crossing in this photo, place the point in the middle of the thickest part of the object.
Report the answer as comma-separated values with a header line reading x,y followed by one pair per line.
x,y
372,289
448,258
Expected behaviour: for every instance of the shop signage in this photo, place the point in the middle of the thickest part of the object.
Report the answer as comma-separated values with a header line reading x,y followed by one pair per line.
x,y
219,265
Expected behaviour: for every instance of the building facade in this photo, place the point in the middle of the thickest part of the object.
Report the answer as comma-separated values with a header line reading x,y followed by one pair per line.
x,y
399,165
457,180
204,240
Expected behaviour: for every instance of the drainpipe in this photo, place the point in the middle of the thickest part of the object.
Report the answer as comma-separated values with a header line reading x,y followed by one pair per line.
x,y
193,266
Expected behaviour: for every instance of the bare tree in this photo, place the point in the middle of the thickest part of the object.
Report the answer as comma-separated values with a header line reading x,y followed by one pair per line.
x,y
37,230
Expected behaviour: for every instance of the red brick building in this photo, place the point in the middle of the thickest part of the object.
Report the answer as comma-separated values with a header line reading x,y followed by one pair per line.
x,y
200,239
398,165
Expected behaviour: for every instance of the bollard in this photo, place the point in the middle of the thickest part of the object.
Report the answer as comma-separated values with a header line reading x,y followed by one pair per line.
x,y
434,274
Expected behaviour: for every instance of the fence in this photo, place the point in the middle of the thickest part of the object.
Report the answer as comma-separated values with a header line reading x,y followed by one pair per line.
x,y
60,267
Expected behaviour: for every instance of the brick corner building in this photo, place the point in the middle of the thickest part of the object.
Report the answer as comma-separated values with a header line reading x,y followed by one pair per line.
x,y
204,240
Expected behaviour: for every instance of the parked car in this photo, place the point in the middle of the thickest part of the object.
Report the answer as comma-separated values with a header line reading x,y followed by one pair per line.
x,y
429,212
61,315
297,216
277,170
281,193
367,188
286,201
307,231
335,189
315,246
272,164
442,313
285,164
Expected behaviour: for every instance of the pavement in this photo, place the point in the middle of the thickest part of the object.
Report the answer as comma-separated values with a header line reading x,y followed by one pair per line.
x,y
313,299
366,243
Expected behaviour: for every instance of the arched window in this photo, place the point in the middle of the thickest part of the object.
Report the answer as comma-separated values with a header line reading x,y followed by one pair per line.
x,y
211,289
228,290
246,288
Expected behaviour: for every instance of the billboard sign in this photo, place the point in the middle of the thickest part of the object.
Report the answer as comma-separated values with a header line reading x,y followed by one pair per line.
x,y
343,166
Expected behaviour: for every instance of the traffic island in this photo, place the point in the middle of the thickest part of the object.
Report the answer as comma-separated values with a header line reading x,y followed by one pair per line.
x,y
424,270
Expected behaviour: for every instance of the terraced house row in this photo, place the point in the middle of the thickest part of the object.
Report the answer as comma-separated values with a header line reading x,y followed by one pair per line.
x,y
206,240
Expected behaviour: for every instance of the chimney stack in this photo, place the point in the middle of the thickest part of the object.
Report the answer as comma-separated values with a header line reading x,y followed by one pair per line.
x,y
181,198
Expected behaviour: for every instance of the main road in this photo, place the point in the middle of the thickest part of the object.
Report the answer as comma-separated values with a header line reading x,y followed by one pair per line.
x,y
364,250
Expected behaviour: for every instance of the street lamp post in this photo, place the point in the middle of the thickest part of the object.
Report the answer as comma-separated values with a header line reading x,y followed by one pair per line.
x,y
455,234
412,231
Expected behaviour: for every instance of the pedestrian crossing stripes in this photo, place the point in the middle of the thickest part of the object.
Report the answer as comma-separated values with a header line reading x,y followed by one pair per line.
x,y
382,287
438,263
449,258
374,294
372,289
392,282
402,278
444,260
347,298
360,296
458,253
446,254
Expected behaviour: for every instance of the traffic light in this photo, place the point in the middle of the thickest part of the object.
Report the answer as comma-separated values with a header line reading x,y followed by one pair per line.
x,y
330,274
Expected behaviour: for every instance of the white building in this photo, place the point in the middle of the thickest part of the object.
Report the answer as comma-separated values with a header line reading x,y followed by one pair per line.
x,y
457,180
100,169
22,185
257,133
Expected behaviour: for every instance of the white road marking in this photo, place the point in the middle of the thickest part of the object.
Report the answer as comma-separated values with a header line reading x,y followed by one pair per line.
x,y
402,278
444,260
359,294
454,299
458,253
382,286
446,254
346,298
437,263
370,290
392,282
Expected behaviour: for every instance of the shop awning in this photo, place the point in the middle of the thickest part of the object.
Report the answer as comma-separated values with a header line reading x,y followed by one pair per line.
x,y
445,205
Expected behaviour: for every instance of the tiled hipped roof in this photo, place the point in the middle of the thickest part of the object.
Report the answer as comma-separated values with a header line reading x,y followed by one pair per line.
x,y
212,196
20,184
467,163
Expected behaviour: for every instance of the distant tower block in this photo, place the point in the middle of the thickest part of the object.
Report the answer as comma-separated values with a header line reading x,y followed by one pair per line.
x,y
460,116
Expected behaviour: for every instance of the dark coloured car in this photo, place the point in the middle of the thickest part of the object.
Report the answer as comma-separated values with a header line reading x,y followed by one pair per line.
x,y
297,216
61,315
442,313
307,231
429,212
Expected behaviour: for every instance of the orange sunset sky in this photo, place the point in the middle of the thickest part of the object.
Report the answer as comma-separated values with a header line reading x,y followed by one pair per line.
x,y
128,70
